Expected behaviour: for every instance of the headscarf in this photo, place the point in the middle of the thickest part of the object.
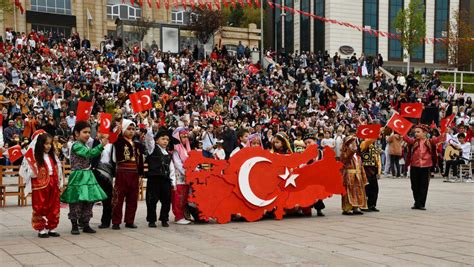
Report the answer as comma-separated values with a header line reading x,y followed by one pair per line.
x,y
252,137
126,123
182,148
26,171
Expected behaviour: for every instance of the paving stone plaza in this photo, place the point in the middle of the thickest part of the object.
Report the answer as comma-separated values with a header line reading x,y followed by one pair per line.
x,y
397,236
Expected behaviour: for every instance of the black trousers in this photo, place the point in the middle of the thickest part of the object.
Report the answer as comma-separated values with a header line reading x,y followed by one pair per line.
x,y
420,181
453,163
372,189
158,189
395,165
108,188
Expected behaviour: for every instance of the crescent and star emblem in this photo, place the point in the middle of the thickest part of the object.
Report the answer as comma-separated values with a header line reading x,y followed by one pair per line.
x,y
246,189
107,123
364,131
407,110
395,123
148,100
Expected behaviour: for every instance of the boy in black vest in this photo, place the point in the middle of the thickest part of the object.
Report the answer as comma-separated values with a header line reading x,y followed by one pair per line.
x,y
160,177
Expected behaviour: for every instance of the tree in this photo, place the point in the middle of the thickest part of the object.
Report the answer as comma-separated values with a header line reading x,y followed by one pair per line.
x,y
205,23
460,51
141,27
411,25
241,17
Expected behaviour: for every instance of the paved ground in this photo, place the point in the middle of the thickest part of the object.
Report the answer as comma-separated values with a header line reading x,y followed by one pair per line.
x,y
397,236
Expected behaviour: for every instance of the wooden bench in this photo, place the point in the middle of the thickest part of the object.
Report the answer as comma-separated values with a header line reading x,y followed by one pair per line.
x,y
14,181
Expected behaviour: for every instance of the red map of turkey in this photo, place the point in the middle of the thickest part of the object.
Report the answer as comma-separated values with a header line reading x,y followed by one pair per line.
x,y
255,180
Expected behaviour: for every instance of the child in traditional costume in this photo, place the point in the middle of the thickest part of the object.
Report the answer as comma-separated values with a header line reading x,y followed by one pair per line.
x,y
354,179
43,176
83,190
181,189
129,160
161,176
280,144
310,139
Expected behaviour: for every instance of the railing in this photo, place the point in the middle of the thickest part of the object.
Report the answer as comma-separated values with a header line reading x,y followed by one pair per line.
x,y
455,74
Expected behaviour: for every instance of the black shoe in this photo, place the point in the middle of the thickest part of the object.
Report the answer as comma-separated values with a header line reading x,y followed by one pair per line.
x,y
116,226
374,209
152,225
320,213
366,210
45,235
104,226
165,224
54,234
357,212
347,213
75,228
88,229
131,225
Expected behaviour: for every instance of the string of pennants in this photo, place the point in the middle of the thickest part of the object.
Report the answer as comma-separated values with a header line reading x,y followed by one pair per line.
x,y
250,3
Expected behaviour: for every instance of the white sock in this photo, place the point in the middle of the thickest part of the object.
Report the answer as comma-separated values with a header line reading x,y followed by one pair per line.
x,y
43,232
52,231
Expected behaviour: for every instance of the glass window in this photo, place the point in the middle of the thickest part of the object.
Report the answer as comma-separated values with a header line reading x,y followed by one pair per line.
x,y
418,53
180,16
115,9
52,6
394,46
289,29
60,4
370,17
305,24
319,27
441,30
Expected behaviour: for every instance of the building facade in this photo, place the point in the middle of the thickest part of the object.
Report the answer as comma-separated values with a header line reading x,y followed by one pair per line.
x,y
94,19
296,32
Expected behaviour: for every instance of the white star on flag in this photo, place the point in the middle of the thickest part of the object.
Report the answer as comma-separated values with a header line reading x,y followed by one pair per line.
x,y
290,179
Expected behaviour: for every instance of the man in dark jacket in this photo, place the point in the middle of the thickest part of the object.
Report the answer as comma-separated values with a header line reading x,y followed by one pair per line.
x,y
230,139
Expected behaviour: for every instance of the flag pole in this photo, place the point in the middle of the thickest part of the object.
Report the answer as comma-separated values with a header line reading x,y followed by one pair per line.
x,y
261,34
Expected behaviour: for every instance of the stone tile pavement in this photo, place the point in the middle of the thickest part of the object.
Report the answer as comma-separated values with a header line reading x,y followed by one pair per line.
x,y
396,236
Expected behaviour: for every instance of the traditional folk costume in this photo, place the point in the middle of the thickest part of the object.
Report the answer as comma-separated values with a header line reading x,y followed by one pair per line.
x,y
180,195
354,179
161,177
372,163
44,182
82,190
129,160
422,156
104,171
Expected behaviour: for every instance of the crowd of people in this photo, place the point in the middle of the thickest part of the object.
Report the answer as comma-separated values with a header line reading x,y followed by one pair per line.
x,y
218,104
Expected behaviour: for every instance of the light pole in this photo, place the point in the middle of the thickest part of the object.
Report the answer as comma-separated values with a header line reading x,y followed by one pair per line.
x,y
261,34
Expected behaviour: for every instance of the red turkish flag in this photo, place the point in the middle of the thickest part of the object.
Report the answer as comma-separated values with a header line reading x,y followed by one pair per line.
x,y
193,4
84,110
225,3
241,2
14,153
114,136
1,119
249,3
218,4
184,4
30,158
158,4
257,3
399,124
445,122
255,180
370,131
202,5
105,123
253,69
141,101
176,4
234,5
149,3
167,4
411,110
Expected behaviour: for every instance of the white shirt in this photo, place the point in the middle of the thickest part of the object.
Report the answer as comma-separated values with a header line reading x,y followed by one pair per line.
x,y
161,67
328,142
48,163
219,153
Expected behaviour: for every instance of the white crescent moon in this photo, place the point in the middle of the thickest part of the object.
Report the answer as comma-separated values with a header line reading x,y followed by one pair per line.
x,y
148,100
395,124
15,152
363,131
406,110
244,183
107,123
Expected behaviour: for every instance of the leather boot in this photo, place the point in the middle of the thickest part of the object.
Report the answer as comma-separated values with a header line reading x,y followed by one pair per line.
x,y
75,228
88,229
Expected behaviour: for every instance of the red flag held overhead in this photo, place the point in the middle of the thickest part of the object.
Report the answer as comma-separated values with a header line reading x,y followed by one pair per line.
x,y
411,110
445,122
84,110
30,158
105,123
370,131
14,153
399,124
